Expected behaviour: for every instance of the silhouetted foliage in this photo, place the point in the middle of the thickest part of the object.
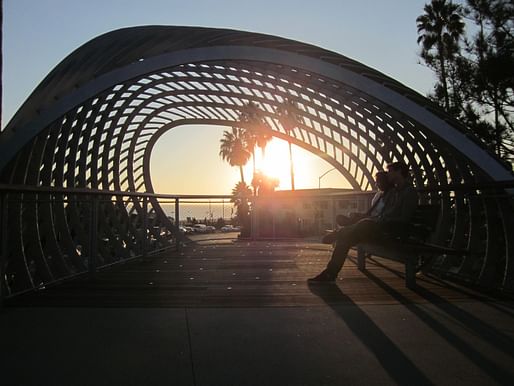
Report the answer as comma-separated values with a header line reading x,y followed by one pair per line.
x,y
289,119
234,150
240,197
474,66
440,30
256,130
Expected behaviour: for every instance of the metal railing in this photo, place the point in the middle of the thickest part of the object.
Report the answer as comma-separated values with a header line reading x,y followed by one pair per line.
x,y
50,234
53,234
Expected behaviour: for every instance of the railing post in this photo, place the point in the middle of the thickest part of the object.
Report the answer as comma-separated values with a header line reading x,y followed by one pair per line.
x,y
361,258
253,220
93,236
3,245
273,224
178,235
145,227
334,214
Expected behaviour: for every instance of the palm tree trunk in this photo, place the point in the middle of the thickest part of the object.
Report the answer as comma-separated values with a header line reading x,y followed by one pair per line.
x,y
497,125
291,164
443,80
253,176
253,159
242,174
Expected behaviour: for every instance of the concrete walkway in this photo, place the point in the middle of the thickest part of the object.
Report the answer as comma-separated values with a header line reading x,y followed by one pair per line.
x,y
440,344
331,339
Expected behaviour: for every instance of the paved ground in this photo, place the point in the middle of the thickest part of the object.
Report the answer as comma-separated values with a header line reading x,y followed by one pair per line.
x,y
227,313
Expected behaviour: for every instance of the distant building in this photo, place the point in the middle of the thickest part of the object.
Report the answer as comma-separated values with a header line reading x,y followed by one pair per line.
x,y
304,212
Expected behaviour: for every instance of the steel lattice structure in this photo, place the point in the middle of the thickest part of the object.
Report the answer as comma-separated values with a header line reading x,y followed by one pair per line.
x,y
92,123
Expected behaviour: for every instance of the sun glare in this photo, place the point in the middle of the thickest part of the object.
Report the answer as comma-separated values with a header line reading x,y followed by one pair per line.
x,y
276,164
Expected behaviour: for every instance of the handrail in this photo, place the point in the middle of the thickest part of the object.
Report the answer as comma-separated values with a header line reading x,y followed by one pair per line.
x,y
87,191
478,216
460,187
9,193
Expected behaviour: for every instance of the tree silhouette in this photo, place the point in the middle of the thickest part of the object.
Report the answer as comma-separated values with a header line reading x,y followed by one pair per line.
x,y
257,131
289,120
440,29
491,62
240,197
475,79
234,150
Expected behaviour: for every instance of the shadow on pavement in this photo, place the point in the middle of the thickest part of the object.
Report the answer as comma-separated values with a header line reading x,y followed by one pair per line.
x,y
492,336
392,359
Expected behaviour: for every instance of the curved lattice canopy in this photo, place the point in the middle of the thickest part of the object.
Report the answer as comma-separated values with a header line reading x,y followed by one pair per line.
x,y
93,121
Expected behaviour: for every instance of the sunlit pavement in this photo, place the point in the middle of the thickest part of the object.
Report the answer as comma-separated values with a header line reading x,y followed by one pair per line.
x,y
241,313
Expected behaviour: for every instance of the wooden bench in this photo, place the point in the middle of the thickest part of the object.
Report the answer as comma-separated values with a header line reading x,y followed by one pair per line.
x,y
410,250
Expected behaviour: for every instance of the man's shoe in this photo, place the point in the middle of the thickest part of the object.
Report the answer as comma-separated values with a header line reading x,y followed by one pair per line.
x,y
329,238
323,277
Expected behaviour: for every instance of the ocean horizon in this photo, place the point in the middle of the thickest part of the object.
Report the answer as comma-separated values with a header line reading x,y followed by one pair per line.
x,y
211,211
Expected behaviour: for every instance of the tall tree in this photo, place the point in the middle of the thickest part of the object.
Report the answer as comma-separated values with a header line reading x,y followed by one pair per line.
x,y
289,120
440,30
479,76
257,131
491,54
233,149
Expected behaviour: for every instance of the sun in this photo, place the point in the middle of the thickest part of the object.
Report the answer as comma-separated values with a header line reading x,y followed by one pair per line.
x,y
275,163
308,167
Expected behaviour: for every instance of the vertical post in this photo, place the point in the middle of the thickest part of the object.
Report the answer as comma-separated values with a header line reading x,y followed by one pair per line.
x,y
145,227
178,235
253,220
410,272
291,167
93,236
334,214
361,258
273,225
3,245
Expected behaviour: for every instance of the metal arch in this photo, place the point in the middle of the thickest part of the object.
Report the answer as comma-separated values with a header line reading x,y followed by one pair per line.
x,y
96,129
184,105
432,122
192,92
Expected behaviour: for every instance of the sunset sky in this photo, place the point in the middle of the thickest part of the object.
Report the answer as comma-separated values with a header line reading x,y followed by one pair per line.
x,y
37,35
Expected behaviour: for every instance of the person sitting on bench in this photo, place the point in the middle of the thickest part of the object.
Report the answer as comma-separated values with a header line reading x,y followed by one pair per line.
x,y
399,206
377,205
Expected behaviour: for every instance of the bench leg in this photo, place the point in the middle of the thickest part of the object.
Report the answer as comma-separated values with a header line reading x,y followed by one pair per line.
x,y
361,258
410,273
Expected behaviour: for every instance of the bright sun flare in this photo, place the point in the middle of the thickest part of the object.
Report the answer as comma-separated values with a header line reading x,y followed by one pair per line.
x,y
276,164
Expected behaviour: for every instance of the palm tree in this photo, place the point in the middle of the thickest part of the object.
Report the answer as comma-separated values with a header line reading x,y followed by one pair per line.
x,y
240,197
240,194
289,120
257,131
439,30
233,149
